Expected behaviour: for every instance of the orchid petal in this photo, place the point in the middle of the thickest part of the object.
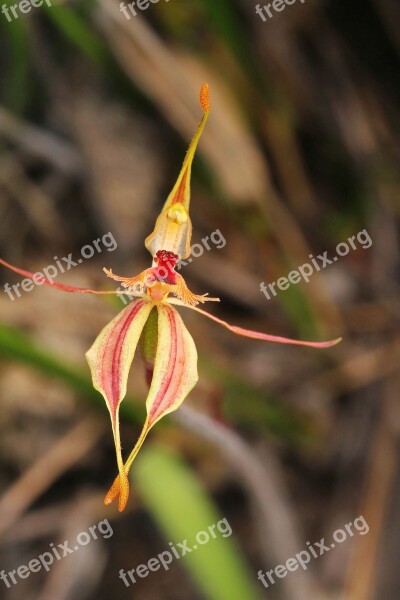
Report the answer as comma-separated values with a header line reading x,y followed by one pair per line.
x,y
173,229
39,279
257,335
175,366
110,359
175,370
174,376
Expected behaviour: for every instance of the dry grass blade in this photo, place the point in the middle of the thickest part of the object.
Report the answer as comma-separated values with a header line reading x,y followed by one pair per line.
x,y
47,469
172,82
125,165
79,574
362,577
41,144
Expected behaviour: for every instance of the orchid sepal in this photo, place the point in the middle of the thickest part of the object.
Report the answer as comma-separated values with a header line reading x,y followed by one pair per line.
x,y
257,335
173,228
39,279
174,376
110,358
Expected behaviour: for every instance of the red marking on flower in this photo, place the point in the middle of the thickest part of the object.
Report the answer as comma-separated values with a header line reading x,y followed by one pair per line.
x,y
164,257
112,357
165,392
180,192
165,269
149,370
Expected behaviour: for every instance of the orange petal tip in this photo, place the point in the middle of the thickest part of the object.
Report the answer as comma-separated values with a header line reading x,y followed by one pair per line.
x,y
122,502
205,98
112,494
120,490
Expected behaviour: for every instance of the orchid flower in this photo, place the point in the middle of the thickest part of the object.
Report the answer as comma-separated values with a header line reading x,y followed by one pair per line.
x,y
152,322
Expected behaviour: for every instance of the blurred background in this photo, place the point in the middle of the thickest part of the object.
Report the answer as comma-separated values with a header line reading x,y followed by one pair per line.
x,y
300,153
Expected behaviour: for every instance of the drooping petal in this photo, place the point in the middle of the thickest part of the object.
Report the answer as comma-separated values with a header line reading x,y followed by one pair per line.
x,y
257,335
174,376
110,359
175,370
40,280
175,367
173,229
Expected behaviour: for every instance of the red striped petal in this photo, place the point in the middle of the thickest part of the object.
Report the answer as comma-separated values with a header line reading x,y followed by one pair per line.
x,y
174,376
175,367
110,360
